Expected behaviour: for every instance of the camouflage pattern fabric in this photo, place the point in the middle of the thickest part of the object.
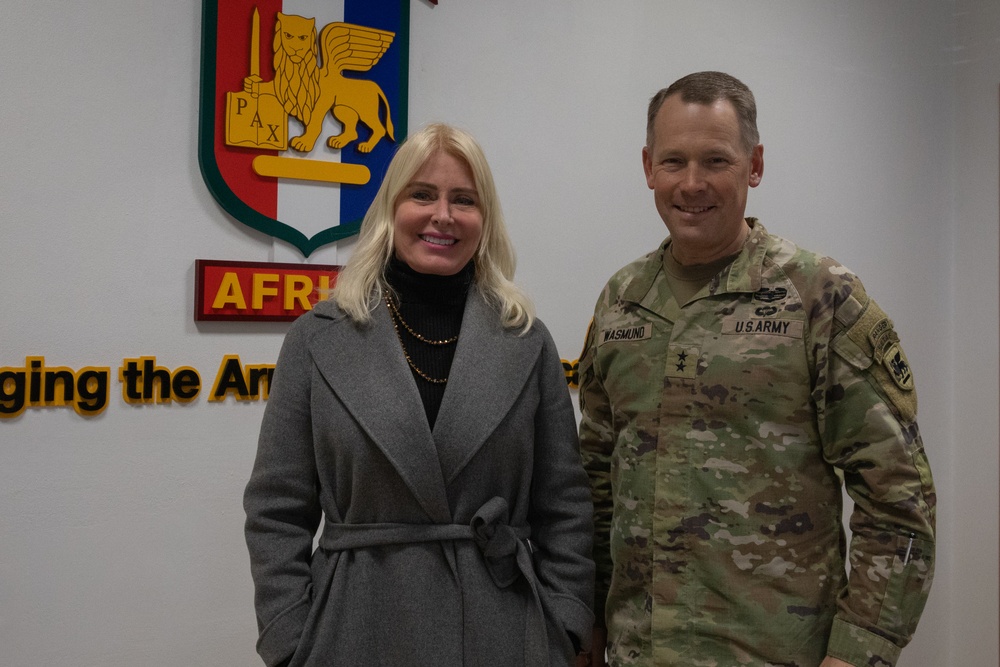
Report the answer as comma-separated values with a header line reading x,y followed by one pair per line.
x,y
717,435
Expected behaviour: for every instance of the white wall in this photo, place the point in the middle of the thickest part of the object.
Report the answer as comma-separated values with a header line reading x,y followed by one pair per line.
x,y
121,535
969,517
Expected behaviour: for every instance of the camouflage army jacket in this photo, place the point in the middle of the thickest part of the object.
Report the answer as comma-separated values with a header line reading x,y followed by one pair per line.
x,y
718,434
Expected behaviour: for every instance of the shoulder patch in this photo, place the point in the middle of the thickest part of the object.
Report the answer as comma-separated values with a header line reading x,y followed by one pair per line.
x,y
886,351
873,332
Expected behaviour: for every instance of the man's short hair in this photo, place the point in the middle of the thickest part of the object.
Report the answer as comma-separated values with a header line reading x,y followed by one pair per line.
x,y
708,88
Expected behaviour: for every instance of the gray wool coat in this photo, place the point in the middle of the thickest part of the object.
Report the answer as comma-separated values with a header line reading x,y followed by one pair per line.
x,y
466,546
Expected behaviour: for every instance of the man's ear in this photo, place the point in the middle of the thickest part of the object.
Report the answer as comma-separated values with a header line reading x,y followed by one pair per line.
x,y
756,165
647,166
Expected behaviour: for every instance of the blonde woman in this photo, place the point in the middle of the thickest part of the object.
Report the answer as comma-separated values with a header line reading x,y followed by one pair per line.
x,y
419,421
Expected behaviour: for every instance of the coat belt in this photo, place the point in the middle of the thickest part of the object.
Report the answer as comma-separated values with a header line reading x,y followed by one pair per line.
x,y
505,549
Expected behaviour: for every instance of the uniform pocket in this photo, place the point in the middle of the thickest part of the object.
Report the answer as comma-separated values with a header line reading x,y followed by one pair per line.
x,y
909,580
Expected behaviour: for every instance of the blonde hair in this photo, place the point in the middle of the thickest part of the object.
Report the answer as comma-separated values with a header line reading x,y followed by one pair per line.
x,y
361,283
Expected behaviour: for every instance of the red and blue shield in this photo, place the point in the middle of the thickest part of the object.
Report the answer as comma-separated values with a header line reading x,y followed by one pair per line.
x,y
303,103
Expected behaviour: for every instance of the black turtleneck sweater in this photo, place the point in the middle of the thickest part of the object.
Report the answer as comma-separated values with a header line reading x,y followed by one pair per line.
x,y
432,306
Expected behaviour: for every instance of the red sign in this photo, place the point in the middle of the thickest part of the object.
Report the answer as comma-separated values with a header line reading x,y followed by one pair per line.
x,y
259,291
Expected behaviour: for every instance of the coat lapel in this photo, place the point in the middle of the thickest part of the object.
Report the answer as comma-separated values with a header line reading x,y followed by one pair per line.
x,y
365,368
490,369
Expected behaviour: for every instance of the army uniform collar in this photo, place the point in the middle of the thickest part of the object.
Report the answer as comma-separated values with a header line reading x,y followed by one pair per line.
x,y
649,286
744,273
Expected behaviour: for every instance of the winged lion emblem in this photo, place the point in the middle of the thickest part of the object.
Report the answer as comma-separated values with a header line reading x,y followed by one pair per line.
x,y
307,89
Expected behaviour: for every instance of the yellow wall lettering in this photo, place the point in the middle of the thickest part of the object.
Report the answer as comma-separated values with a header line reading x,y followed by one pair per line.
x,y
263,286
230,293
145,382
246,383
572,371
35,386
297,288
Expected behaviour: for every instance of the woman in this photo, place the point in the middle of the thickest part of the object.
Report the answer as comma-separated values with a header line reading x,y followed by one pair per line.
x,y
422,417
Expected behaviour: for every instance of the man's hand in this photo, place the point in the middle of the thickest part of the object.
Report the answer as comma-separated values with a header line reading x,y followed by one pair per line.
x,y
598,644
834,662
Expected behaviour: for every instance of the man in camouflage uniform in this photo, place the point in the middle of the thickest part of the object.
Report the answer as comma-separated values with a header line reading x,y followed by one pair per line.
x,y
730,383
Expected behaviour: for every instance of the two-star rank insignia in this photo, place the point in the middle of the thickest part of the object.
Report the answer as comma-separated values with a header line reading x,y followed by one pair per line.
x,y
682,362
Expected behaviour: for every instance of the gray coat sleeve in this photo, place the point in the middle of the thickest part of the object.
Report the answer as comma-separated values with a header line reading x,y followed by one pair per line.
x,y
282,504
562,511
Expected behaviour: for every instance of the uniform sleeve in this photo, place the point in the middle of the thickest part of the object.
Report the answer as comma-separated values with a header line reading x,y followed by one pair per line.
x,y
282,506
596,446
561,515
868,418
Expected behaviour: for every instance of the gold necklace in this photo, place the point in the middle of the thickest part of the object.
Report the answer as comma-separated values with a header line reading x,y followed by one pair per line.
x,y
395,311
393,315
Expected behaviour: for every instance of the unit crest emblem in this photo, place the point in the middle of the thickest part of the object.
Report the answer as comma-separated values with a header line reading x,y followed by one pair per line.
x,y
307,71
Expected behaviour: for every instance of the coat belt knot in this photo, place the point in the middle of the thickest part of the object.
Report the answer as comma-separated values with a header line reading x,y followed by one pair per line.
x,y
507,554
501,544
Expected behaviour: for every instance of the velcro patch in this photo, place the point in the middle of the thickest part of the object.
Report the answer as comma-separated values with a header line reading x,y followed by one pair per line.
x,y
873,332
682,362
881,336
624,334
762,325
